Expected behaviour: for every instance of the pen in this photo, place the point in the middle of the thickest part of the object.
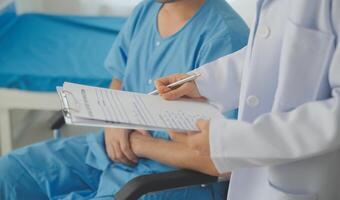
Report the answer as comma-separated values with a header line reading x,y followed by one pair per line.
x,y
180,82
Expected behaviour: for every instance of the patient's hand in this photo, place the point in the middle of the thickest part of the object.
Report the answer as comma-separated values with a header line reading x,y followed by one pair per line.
x,y
117,143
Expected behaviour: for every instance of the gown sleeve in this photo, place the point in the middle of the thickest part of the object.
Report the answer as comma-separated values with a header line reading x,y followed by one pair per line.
x,y
116,60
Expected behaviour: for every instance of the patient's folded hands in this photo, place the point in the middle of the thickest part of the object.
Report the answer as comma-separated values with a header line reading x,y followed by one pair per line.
x,y
117,144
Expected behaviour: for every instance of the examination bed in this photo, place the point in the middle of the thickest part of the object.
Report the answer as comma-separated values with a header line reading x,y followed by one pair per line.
x,y
39,52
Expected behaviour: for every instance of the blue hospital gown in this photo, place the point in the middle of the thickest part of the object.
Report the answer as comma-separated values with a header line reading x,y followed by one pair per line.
x,y
78,167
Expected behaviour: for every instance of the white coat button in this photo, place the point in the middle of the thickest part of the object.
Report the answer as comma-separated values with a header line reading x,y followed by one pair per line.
x,y
263,31
158,43
150,81
253,101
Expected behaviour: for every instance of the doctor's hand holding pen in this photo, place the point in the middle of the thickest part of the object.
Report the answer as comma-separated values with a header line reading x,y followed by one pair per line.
x,y
187,89
198,141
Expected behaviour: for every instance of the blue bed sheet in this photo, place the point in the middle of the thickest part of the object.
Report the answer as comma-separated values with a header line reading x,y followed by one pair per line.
x,y
39,52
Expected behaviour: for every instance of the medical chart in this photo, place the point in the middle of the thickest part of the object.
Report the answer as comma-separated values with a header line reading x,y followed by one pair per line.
x,y
93,106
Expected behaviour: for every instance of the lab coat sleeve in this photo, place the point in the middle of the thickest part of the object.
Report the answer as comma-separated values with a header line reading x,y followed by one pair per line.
x,y
223,74
311,129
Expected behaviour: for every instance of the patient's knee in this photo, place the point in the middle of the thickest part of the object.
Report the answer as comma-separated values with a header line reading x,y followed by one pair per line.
x,y
9,174
16,182
8,169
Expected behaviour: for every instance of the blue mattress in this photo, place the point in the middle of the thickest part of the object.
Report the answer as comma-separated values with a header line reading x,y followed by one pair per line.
x,y
39,52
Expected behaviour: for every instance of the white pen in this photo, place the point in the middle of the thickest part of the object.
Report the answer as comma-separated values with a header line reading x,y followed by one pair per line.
x,y
180,82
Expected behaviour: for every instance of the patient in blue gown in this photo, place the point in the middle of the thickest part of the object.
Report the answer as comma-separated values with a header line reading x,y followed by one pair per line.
x,y
159,39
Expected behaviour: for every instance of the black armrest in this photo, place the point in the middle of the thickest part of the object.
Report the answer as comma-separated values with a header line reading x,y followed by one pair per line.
x,y
141,185
58,121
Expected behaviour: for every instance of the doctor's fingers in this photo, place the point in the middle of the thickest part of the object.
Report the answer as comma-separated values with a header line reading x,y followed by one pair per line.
x,y
203,125
183,90
162,83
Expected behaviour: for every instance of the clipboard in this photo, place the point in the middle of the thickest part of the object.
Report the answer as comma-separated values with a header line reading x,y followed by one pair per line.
x,y
101,107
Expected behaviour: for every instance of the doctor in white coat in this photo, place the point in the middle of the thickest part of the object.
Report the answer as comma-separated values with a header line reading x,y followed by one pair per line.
x,y
286,83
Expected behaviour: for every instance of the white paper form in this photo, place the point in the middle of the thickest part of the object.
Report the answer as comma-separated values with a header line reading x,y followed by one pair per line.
x,y
108,106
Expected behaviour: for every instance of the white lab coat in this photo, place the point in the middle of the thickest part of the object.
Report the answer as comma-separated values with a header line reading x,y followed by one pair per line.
x,y
286,84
